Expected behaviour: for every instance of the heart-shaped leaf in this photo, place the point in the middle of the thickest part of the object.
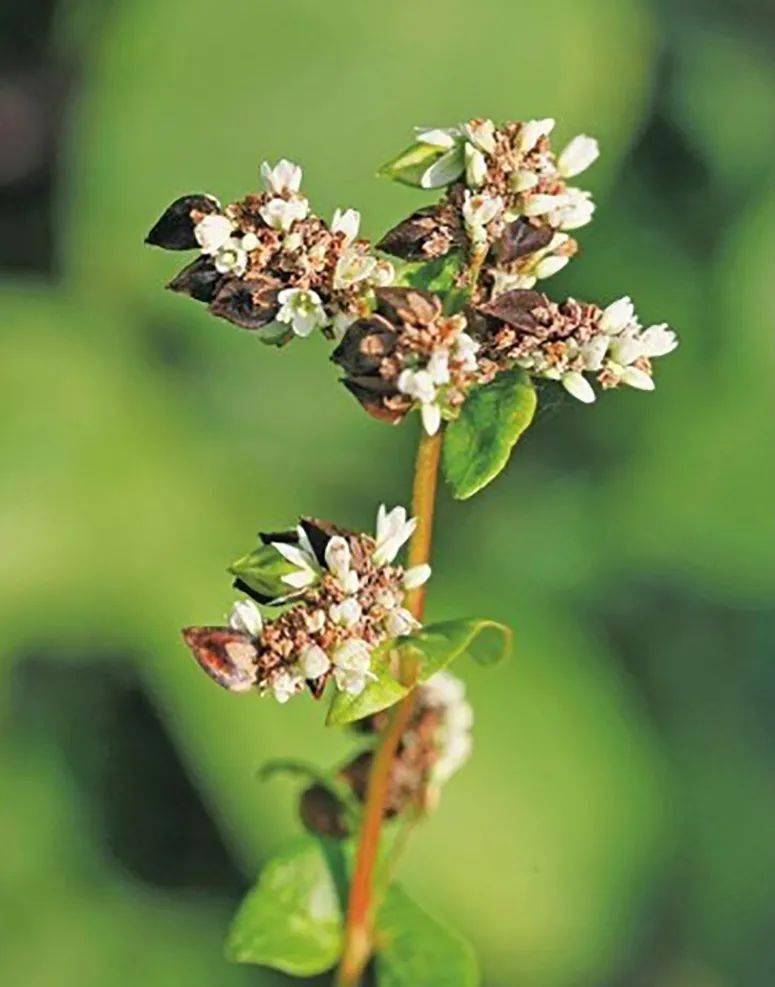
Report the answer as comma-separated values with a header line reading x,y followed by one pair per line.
x,y
416,950
292,919
438,645
382,691
478,443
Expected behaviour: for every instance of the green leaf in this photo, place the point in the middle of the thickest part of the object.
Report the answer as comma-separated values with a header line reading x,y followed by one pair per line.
x,y
478,443
275,334
378,694
437,645
291,920
416,950
436,275
411,164
262,570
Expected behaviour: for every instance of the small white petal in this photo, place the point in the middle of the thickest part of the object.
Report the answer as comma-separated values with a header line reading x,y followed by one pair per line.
x,y
436,137
637,378
417,576
284,177
346,221
246,617
593,352
347,613
578,385
577,156
438,367
617,315
476,166
540,203
523,180
658,340
284,685
532,131
213,232
548,266
400,622
481,133
313,662
338,556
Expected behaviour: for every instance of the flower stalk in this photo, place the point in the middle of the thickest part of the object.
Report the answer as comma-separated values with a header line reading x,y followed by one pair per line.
x,y
360,908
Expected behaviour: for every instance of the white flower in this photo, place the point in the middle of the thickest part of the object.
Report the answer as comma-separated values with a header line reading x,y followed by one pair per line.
x,y
246,617
293,242
347,221
541,203
454,754
417,576
443,137
352,666
593,352
387,599
393,529
479,210
417,384
438,366
249,242
575,210
307,568
635,377
532,131
431,418
281,214
548,266
284,177
350,582
523,180
353,265
313,662
285,685
617,315
400,622
231,258
578,385
338,556
213,232
658,340
476,166
466,348
577,156
347,613
481,133
302,309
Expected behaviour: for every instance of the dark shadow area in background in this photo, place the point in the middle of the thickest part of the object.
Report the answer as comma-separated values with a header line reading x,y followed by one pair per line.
x,y
143,810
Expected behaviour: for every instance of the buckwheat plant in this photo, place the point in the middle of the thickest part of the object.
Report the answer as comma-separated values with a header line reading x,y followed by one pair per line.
x,y
445,316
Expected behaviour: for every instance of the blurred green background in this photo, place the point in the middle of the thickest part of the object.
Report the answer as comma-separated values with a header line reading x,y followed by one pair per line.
x,y
615,827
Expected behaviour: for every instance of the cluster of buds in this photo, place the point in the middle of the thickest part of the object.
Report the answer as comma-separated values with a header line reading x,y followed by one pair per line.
x,y
345,594
435,745
408,354
267,263
563,342
508,199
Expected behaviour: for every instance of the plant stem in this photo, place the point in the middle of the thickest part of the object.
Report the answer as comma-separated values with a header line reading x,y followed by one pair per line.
x,y
360,908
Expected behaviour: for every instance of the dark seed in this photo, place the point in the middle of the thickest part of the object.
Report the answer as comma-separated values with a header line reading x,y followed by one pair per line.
x,y
249,304
199,280
408,305
365,344
174,230
519,239
321,812
516,308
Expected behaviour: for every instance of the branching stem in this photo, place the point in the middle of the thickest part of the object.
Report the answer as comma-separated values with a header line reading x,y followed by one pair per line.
x,y
360,909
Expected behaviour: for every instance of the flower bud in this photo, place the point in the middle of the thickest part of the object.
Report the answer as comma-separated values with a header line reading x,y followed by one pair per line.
x,y
338,556
213,232
417,576
617,315
313,662
578,385
246,617
476,167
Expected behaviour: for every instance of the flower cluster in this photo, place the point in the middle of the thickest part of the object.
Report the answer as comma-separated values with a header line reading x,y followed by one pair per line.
x,y
345,593
435,745
564,342
509,200
409,354
267,263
